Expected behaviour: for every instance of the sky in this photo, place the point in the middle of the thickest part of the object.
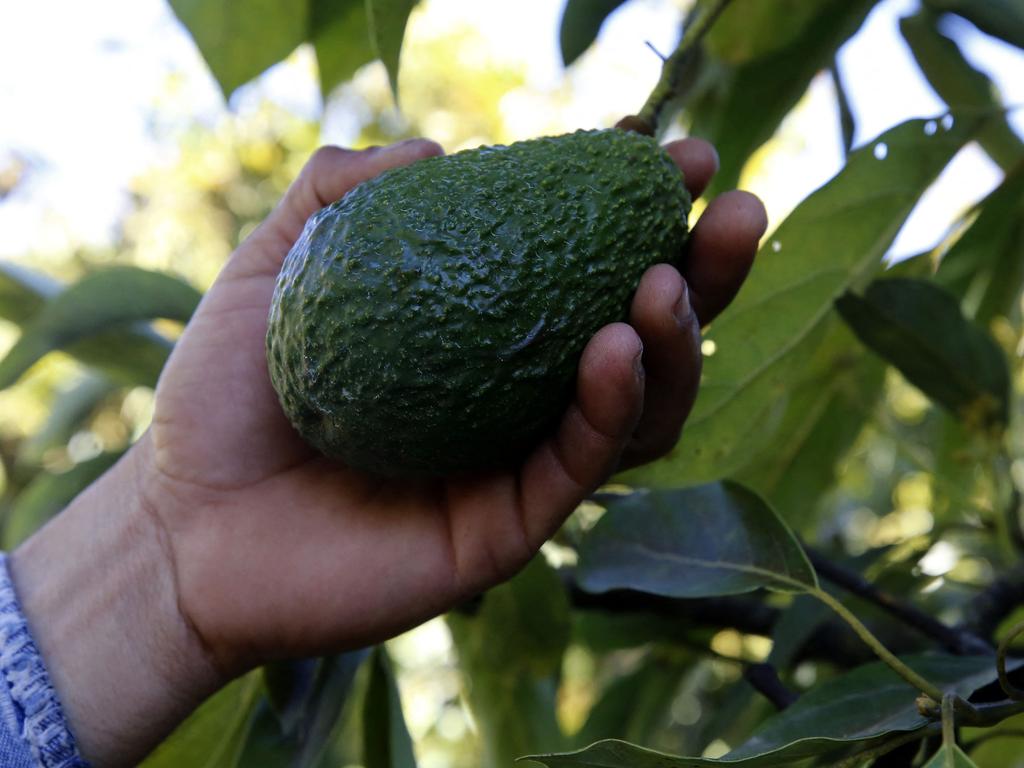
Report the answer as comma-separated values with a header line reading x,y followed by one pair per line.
x,y
79,100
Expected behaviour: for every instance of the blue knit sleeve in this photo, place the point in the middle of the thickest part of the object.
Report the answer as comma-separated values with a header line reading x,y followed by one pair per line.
x,y
33,731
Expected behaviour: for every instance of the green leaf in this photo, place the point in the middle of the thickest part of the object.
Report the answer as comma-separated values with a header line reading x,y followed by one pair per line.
x,y
749,29
341,39
950,757
834,240
510,655
23,292
47,494
961,86
132,356
632,706
70,408
386,741
581,22
101,301
1000,18
717,539
919,328
213,735
749,102
387,19
860,708
985,267
305,701
241,38
824,414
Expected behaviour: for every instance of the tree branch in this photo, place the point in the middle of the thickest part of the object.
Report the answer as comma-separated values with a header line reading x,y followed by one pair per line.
x,y
960,641
764,679
676,65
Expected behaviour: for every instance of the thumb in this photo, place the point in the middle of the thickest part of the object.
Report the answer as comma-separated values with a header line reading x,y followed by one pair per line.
x,y
333,171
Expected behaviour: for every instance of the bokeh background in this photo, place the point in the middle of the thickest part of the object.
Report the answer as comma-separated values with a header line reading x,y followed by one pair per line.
x,y
116,146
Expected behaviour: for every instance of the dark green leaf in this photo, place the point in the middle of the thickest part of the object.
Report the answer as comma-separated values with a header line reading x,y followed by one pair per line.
x,y
47,495
338,29
213,735
919,328
241,38
985,267
825,412
1000,18
862,708
961,86
70,408
510,654
950,757
290,684
834,240
581,21
632,706
386,741
749,29
717,539
387,19
749,102
102,301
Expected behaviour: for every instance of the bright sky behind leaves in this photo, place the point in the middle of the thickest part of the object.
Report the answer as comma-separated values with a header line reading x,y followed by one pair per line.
x,y
87,101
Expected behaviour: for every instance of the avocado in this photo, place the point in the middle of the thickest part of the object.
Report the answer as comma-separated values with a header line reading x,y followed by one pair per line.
x,y
431,320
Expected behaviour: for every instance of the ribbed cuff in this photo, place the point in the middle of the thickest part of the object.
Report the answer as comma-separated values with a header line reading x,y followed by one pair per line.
x,y
41,720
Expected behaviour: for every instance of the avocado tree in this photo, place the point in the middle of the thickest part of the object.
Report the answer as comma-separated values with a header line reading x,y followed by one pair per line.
x,y
743,600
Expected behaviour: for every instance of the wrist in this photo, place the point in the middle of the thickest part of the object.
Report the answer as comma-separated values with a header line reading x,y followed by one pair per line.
x,y
98,588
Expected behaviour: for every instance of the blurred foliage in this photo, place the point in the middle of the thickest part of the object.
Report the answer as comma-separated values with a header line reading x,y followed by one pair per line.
x,y
864,439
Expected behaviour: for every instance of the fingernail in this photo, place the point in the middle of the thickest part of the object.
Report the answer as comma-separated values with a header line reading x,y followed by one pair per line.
x,y
638,362
682,309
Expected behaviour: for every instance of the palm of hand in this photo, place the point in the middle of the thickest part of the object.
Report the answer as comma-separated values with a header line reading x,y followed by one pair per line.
x,y
279,551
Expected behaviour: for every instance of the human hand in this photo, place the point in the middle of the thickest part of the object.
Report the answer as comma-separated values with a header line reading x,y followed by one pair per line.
x,y
261,549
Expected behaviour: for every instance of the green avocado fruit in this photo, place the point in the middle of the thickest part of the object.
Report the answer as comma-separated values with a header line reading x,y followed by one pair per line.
x,y
431,321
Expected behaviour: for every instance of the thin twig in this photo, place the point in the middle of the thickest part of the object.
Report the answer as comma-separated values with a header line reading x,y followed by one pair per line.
x,y
673,67
955,640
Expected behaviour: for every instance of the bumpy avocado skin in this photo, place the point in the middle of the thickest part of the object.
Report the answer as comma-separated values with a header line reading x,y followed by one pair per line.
x,y
431,321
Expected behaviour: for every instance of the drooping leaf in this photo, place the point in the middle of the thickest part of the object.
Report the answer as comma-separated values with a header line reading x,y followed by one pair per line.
x,y
961,86
834,240
581,22
510,654
1000,18
860,708
387,19
23,292
241,38
71,407
213,736
632,706
950,757
824,414
716,539
386,740
341,39
104,300
133,356
290,685
296,724
919,328
47,494
985,267
749,29
748,103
